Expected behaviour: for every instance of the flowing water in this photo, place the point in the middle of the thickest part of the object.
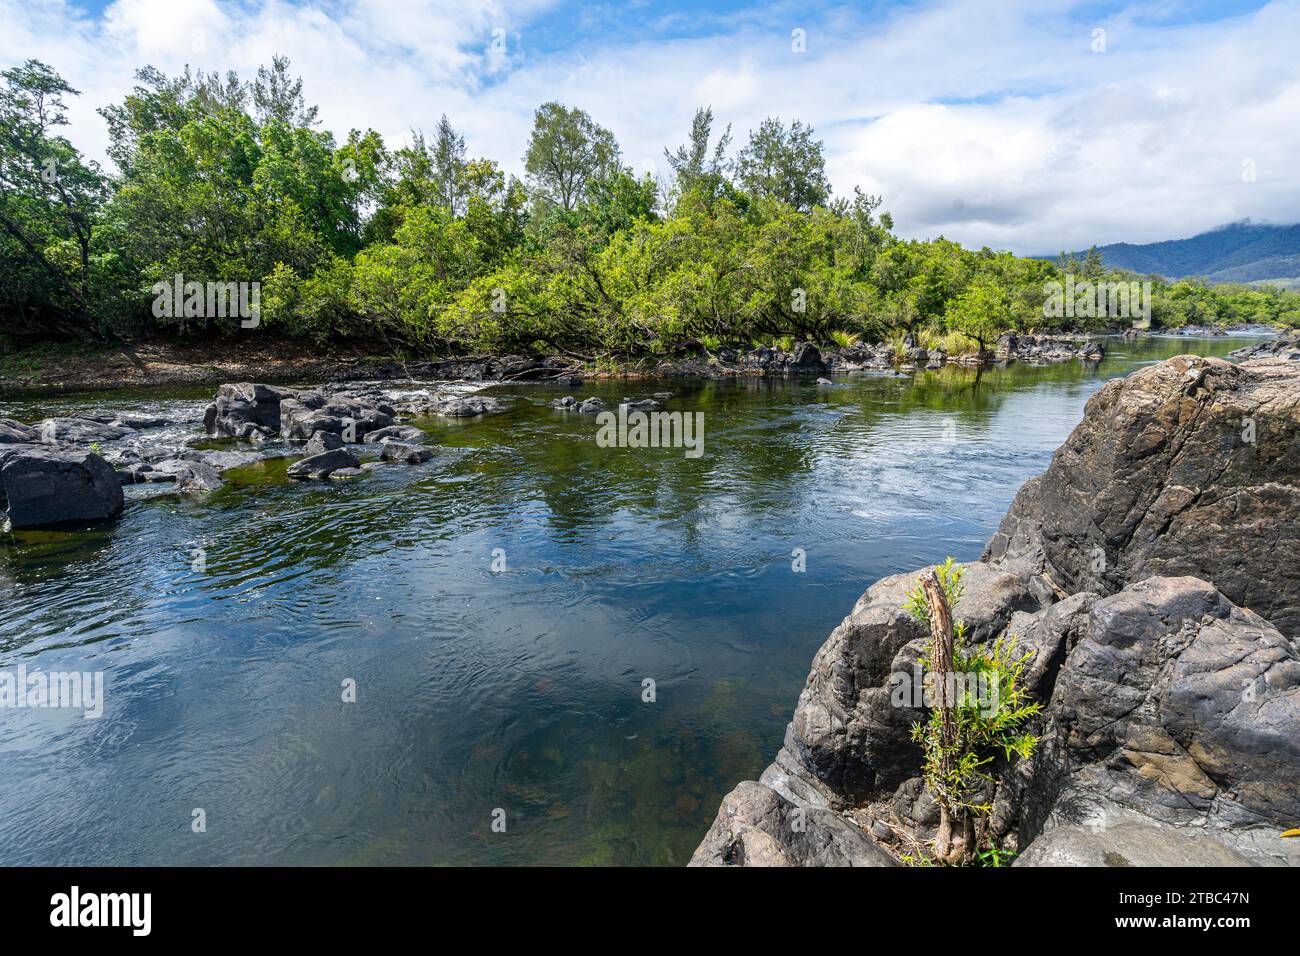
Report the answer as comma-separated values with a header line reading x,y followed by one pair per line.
x,y
485,692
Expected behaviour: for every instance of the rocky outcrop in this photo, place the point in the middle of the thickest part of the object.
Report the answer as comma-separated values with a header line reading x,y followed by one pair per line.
x,y
312,412
1173,707
1285,346
1186,467
46,487
196,476
1150,575
848,732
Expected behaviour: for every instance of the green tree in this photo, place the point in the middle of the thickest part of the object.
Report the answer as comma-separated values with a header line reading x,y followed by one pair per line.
x,y
785,164
278,96
566,150
50,199
448,158
694,166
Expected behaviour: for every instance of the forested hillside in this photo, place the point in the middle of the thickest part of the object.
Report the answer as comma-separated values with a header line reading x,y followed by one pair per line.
x,y
1239,252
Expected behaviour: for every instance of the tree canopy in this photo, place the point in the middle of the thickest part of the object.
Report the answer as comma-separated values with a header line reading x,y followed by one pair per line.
x,y
221,180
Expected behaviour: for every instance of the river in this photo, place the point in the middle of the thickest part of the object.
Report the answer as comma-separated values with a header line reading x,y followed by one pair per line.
x,y
501,611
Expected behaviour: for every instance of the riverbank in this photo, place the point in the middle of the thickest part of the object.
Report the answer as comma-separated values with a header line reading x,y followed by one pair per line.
x,y
73,367
1149,575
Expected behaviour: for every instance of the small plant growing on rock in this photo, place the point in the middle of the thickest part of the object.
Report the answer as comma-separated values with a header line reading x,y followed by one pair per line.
x,y
972,719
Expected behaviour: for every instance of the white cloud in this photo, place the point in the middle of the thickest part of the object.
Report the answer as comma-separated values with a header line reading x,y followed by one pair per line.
x,y
993,122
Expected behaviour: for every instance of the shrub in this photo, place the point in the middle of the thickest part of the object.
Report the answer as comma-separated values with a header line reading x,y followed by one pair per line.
x,y
964,735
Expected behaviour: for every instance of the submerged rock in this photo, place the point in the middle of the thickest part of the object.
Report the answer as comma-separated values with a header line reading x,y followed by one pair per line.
x,y
47,487
402,433
463,406
410,454
323,464
197,476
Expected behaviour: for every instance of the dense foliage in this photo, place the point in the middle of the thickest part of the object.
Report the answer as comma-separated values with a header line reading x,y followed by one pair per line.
x,y
220,180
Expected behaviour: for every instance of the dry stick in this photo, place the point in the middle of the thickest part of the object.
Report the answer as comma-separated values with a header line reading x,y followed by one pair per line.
x,y
944,690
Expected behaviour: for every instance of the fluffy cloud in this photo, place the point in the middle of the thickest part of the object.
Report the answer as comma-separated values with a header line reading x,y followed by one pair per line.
x,y
995,123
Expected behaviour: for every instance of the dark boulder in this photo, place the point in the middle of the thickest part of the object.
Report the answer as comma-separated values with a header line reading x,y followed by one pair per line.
x,y
322,465
47,487
410,454
805,358
75,430
246,410
322,442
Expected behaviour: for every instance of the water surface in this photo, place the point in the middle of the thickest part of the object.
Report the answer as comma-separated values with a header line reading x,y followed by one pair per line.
x,y
479,689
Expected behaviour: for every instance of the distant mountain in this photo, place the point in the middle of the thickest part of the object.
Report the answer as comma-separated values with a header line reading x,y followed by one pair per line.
x,y
1238,252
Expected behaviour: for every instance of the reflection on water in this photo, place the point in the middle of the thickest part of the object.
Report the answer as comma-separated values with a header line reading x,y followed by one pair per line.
x,y
477,690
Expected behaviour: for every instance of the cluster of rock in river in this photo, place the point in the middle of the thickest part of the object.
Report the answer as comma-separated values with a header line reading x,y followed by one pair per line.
x,y
72,469
728,361
1153,572
804,357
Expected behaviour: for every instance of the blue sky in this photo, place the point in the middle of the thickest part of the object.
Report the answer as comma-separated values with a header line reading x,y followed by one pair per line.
x,y
1024,124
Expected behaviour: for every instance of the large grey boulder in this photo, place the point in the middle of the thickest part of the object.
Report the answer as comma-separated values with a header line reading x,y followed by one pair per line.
x,y
322,442
47,487
1128,843
1187,467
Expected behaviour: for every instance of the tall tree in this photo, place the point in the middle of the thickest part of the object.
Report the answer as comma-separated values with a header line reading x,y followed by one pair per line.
x,y
448,160
692,164
788,165
277,95
565,151
49,201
